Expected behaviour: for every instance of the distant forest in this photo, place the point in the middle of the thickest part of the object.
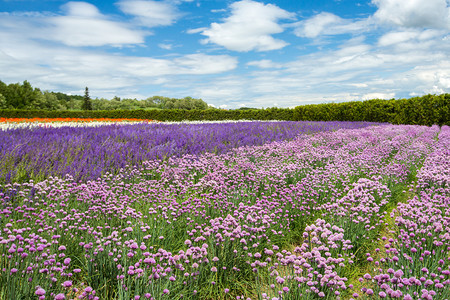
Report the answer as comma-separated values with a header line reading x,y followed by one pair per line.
x,y
24,96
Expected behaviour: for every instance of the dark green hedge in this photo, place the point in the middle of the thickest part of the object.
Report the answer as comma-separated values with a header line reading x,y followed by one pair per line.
x,y
426,110
160,115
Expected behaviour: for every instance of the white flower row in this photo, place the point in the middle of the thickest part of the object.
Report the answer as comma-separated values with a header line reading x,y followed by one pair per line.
x,y
216,122
14,125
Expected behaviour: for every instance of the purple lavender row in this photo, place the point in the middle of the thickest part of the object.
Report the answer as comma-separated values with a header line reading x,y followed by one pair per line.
x,y
211,226
416,260
86,152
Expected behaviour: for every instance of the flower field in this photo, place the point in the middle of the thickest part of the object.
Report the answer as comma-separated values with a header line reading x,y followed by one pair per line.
x,y
248,210
86,150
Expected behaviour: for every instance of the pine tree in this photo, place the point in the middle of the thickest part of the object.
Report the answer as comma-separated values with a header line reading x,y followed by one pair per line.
x,y
87,103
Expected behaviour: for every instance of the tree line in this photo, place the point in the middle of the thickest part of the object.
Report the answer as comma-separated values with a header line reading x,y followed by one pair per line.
x,y
24,101
24,97
426,110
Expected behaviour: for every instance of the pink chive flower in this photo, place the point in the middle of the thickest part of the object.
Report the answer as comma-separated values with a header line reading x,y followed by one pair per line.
x,y
40,292
60,297
67,283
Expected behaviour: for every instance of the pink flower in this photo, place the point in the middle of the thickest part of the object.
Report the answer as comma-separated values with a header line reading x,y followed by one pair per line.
x,y
398,274
67,283
60,297
149,260
40,292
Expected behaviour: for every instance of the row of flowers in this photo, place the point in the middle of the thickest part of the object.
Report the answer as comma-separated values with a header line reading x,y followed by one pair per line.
x,y
52,120
13,123
415,260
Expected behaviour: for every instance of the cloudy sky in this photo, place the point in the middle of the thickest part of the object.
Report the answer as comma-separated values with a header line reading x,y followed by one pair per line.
x,y
229,53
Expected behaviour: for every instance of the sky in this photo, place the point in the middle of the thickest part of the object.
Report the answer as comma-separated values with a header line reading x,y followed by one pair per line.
x,y
231,54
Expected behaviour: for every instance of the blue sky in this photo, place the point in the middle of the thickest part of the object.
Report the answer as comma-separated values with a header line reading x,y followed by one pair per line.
x,y
229,53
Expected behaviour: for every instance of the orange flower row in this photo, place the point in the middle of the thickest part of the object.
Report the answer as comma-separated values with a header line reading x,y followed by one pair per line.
x,y
51,120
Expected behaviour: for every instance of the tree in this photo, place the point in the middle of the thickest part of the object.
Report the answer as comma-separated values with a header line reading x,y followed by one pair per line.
x,y
3,104
26,96
87,103
51,102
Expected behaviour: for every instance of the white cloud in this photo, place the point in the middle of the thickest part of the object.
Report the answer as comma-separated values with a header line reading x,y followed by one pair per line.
x,y
249,27
316,25
411,38
81,9
408,14
414,13
329,24
378,96
359,85
406,46
165,46
80,31
433,78
393,38
82,25
196,30
264,64
151,13
64,68
354,71
197,64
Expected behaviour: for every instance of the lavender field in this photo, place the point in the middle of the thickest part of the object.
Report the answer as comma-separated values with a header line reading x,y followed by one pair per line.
x,y
279,210
33,152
